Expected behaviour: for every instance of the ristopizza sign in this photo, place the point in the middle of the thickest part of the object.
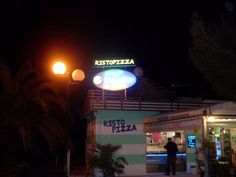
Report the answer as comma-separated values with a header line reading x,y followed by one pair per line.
x,y
119,125
113,62
112,77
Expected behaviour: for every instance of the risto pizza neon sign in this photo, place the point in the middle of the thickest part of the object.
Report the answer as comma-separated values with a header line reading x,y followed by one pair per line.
x,y
114,62
114,79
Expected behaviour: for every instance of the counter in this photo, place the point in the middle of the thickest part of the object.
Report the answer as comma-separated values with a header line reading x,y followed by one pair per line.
x,y
156,162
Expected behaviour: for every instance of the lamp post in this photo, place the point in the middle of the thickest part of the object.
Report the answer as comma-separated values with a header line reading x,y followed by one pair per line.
x,y
60,69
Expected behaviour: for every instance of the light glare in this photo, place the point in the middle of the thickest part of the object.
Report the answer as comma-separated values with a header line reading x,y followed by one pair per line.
x,y
97,80
211,119
114,79
59,68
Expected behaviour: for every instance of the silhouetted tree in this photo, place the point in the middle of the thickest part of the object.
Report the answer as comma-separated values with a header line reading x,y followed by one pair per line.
x,y
30,116
213,52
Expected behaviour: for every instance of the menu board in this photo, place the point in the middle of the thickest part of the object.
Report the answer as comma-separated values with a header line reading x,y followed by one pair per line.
x,y
191,141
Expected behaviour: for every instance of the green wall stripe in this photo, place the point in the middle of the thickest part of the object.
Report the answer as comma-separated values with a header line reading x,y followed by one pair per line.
x,y
191,157
135,117
135,159
121,139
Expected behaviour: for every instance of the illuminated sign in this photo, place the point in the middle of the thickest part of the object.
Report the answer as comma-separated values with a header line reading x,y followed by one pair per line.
x,y
114,79
114,62
191,141
118,126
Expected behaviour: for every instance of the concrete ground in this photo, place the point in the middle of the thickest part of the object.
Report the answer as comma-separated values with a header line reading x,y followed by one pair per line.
x,y
162,175
155,175
82,171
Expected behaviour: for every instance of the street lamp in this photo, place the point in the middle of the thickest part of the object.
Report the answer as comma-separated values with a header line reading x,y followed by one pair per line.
x,y
59,68
78,75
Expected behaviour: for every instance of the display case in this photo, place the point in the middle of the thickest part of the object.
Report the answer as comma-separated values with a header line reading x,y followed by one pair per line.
x,y
156,141
156,153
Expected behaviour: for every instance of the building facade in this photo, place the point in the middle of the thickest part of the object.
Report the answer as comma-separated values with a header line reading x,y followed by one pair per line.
x,y
215,124
139,125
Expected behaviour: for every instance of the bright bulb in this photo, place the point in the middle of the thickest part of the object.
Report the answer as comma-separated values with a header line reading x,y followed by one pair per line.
x,y
78,75
97,80
59,68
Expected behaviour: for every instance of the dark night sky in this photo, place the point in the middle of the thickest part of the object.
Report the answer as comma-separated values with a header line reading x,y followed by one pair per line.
x,y
155,33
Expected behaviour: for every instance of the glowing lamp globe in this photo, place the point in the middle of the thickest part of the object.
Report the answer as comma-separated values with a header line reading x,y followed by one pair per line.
x,y
78,75
59,68
138,71
97,80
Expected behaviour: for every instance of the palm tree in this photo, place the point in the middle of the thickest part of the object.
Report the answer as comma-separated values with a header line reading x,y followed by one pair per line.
x,y
104,160
213,52
31,109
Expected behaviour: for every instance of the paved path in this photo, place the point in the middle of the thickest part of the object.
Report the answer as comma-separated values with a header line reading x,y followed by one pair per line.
x,y
155,175
162,175
182,175
81,172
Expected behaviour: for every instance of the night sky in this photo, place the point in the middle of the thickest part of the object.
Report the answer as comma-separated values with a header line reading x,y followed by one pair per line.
x,y
155,33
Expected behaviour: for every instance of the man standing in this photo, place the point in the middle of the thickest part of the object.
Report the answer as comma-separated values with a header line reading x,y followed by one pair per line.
x,y
172,149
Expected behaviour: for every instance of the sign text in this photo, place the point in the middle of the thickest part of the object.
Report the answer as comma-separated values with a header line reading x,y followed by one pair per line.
x,y
119,126
114,62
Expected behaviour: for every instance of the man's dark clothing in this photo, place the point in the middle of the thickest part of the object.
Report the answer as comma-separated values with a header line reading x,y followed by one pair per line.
x,y
172,149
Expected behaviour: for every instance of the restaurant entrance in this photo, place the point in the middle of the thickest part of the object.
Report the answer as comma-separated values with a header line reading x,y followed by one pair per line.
x,y
156,153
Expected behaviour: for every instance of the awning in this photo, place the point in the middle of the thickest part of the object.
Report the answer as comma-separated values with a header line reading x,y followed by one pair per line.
x,y
181,120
